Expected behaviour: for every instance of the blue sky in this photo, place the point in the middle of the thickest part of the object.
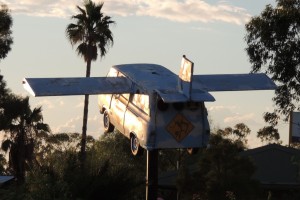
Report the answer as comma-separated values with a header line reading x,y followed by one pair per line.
x,y
211,34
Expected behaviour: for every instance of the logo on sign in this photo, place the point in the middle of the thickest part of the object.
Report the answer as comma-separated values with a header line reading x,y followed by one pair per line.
x,y
180,127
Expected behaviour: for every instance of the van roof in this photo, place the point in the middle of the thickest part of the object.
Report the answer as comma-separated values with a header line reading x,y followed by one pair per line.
x,y
158,77
160,80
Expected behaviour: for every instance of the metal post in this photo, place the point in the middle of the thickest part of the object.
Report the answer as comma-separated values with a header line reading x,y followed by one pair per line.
x,y
290,128
152,175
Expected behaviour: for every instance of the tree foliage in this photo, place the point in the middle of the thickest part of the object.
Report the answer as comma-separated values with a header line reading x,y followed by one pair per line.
x,y
238,134
5,46
273,40
111,172
6,39
21,126
221,173
269,134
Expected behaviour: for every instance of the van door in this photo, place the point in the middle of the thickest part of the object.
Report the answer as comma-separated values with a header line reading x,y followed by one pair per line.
x,y
137,117
118,108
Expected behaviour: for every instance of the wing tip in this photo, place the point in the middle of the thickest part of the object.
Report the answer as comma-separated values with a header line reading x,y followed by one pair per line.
x,y
27,87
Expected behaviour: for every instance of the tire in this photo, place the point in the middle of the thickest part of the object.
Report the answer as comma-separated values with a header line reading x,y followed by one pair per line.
x,y
108,126
192,151
135,147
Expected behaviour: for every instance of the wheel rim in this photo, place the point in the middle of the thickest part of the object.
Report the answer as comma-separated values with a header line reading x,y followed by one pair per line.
x,y
134,145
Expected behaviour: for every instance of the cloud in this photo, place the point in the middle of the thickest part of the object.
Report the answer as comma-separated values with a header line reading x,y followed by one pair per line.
x,y
221,107
174,10
240,118
45,104
42,8
72,125
95,126
80,105
230,115
50,104
194,11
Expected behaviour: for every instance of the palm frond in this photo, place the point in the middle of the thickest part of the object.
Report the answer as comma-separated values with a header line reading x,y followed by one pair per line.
x,y
81,10
36,115
82,50
43,127
91,30
75,33
80,19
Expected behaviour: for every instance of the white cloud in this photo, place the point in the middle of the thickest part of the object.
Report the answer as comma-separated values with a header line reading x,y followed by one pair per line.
x,y
80,105
94,127
194,11
220,107
230,115
50,104
46,104
42,8
94,118
173,10
72,125
240,118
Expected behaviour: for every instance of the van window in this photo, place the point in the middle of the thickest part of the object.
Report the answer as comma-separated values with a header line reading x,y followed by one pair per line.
x,y
126,96
112,73
142,102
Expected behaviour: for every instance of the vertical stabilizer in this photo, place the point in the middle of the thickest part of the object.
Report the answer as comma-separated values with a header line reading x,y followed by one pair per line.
x,y
185,77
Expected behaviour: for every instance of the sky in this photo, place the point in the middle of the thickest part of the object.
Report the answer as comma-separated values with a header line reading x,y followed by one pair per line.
x,y
210,33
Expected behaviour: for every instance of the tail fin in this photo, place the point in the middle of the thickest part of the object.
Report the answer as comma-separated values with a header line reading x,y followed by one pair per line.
x,y
185,77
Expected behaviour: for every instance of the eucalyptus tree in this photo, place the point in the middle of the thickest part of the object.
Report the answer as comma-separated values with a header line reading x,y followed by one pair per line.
x,y
90,32
273,40
21,126
221,172
237,134
6,39
269,134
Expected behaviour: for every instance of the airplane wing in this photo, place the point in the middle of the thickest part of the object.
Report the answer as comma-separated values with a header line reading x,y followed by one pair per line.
x,y
76,86
233,82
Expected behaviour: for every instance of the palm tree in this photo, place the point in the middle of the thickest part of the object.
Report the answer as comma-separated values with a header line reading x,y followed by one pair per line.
x,y
90,32
21,126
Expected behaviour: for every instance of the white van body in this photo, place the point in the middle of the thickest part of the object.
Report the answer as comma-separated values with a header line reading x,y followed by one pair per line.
x,y
157,123
151,105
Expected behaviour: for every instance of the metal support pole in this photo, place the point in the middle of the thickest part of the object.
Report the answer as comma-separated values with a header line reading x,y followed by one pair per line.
x,y
152,175
290,128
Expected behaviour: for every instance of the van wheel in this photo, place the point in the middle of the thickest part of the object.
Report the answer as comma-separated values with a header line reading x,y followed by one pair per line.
x,y
192,151
108,127
136,149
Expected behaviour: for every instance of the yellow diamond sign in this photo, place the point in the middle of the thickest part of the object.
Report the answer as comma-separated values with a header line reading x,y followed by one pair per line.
x,y
180,127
